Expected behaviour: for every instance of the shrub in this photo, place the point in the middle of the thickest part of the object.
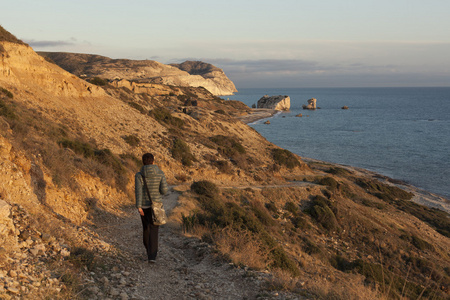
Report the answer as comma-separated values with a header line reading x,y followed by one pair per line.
x,y
223,166
7,111
339,171
205,188
383,191
82,257
98,81
228,146
271,207
102,156
164,116
285,158
81,148
417,242
7,93
138,107
182,152
132,140
292,207
437,218
323,211
330,182
300,221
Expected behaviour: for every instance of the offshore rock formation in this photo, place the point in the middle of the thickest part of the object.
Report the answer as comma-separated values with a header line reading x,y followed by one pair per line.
x,y
311,104
189,73
275,102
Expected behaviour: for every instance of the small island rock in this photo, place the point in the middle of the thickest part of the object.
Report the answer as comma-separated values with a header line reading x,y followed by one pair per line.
x,y
345,107
311,104
275,102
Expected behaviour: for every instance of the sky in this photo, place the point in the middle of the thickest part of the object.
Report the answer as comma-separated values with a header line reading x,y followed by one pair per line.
x,y
258,43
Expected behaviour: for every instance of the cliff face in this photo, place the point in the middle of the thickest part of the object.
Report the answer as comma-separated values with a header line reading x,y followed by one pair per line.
x,y
193,74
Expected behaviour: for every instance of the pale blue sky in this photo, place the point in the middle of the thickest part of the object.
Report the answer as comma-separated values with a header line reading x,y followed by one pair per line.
x,y
281,43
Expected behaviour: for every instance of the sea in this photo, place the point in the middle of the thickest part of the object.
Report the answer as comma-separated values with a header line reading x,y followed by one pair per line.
x,y
402,133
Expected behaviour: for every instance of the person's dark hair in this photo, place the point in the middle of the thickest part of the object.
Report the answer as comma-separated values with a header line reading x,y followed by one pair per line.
x,y
148,159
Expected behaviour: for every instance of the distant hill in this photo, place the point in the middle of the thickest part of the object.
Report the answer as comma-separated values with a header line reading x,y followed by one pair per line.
x,y
194,74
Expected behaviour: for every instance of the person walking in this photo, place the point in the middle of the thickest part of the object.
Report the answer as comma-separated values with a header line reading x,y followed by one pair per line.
x,y
157,186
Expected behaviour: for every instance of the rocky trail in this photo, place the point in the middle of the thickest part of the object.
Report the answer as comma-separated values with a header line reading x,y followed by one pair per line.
x,y
186,268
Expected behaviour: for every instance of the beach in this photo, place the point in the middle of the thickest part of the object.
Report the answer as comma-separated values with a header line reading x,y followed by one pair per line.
x,y
258,114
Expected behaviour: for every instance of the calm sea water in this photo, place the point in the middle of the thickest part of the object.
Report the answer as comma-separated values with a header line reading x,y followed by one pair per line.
x,y
403,133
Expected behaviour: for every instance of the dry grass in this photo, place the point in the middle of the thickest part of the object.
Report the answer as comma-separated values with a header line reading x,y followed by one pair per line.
x,y
283,281
343,290
242,247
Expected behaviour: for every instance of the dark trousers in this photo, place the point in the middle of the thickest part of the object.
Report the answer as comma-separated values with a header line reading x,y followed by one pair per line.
x,y
150,234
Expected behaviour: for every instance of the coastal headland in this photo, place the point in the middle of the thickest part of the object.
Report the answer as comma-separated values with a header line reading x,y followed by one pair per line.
x,y
248,219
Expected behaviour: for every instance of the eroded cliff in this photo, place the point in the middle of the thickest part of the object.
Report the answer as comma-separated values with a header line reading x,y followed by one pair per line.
x,y
193,74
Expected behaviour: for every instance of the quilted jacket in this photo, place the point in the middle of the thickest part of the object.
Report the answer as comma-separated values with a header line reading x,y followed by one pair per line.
x,y
156,182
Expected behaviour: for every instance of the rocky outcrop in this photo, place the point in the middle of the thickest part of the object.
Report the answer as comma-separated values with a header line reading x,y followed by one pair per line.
x,y
194,74
311,104
275,102
216,80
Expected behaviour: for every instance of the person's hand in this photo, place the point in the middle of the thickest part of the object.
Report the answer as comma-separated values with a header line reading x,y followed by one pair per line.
x,y
141,212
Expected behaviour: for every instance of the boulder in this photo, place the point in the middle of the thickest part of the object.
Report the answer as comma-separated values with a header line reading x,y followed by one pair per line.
x,y
311,104
275,102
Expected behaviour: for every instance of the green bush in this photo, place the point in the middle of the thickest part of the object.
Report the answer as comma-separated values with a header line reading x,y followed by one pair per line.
x,y
182,152
285,158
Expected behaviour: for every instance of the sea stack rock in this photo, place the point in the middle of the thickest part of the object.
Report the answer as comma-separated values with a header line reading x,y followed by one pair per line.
x,y
275,102
311,104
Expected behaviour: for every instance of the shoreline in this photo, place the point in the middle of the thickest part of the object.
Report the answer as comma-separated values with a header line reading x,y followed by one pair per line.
x,y
421,196
257,114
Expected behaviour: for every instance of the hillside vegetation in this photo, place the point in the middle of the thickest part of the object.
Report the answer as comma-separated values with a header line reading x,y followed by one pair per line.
x,y
69,149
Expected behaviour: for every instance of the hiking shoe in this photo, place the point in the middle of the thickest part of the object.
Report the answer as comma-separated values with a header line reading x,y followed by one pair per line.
x,y
151,261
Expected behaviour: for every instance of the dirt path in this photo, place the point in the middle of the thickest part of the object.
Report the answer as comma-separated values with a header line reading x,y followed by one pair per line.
x,y
186,268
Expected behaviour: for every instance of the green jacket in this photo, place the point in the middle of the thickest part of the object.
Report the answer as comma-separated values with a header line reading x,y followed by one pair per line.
x,y
156,182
